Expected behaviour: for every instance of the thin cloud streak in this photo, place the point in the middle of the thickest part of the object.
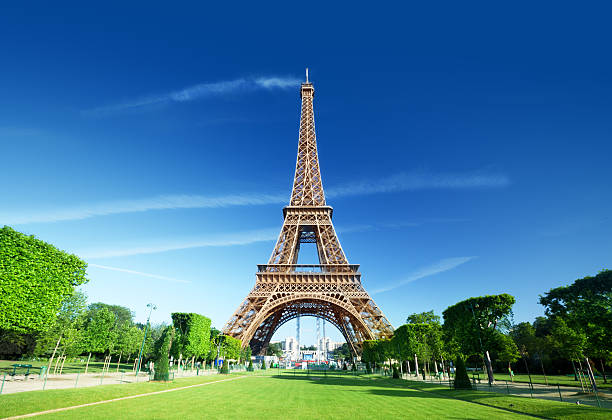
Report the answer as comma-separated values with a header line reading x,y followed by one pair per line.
x,y
420,181
138,273
231,239
397,183
439,267
199,91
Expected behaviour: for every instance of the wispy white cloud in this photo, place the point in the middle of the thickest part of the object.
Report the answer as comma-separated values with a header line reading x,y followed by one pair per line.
x,y
199,91
228,239
162,202
395,183
439,267
421,181
138,273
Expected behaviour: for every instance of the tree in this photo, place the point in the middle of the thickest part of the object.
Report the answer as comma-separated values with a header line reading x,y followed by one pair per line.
x,y
586,306
99,332
424,318
162,351
475,325
192,335
342,352
36,277
122,314
274,349
67,329
231,347
462,380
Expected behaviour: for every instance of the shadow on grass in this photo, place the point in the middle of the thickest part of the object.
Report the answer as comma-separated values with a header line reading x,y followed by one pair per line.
x,y
406,389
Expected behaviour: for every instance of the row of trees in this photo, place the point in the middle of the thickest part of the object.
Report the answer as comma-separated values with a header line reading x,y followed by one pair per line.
x,y
576,330
43,314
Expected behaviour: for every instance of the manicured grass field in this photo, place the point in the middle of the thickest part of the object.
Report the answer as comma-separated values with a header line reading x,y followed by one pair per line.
x,y
286,396
552,380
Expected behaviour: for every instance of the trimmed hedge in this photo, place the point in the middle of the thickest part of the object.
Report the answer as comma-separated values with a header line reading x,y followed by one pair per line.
x,y
192,335
162,349
462,380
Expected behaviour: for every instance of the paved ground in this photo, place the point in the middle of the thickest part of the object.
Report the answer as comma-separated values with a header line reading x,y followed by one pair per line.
x,y
550,392
20,383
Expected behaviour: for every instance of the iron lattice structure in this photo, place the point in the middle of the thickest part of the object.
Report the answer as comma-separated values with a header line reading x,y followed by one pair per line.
x,y
330,290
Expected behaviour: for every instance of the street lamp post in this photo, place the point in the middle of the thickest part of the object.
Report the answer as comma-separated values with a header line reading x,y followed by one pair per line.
x,y
151,308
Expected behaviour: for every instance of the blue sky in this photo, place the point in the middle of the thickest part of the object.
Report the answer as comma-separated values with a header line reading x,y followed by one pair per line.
x,y
465,148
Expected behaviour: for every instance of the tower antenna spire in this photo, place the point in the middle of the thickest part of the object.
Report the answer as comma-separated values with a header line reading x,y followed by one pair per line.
x,y
306,74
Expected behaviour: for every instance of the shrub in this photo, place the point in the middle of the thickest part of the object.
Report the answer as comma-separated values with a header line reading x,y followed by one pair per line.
x,y
162,348
368,368
344,366
462,380
225,367
250,368
396,374
263,365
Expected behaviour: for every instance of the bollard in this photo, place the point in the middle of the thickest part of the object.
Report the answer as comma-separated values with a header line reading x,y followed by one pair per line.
x,y
559,389
77,380
3,379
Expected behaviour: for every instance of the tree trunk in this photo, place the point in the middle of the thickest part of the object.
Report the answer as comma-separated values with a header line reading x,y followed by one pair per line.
x,y
603,371
442,366
408,366
87,364
489,368
436,367
591,375
119,361
53,355
575,374
543,372
416,366
580,374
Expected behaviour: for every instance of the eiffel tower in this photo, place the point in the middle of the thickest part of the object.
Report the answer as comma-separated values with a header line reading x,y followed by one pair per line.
x,y
330,290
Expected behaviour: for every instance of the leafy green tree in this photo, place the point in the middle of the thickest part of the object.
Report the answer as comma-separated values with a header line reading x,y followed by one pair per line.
x,y
100,334
343,352
122,314
263,364
36,279
475,325
423,318
129,339
274,349
231,347
192,335
586,306
162,351
67,329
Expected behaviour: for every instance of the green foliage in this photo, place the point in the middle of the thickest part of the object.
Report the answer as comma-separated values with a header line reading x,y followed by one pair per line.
x,y
129,339
566,342
263,364
162,351
396,374
250,367
274,349
477,321
245,354
122,314
225,367
36,278
586,307
192,335
462,380
100,334
231,347
342,352
424,318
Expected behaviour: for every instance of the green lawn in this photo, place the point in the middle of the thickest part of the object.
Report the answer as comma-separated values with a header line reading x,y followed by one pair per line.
x,y
270,397
552,380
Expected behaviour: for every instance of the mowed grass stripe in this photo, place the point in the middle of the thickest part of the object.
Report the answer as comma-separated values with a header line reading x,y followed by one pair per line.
x,y
286,397
74,407
33,401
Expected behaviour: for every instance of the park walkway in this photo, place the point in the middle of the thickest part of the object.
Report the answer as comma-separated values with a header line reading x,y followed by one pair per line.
x,y
20,383
548,392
